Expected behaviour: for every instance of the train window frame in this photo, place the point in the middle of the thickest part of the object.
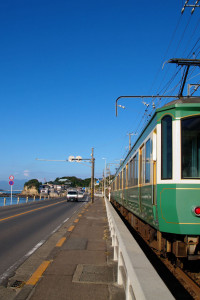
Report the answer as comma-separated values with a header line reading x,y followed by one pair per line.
x,y
127,170
118,182
165,150
142,165
148,162
136,169
124,178
187,118
132,170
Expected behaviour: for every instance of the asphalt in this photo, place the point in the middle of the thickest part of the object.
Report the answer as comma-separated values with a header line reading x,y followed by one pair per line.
x,y
80,266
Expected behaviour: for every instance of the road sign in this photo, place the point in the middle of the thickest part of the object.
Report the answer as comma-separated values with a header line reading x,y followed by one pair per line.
x,y
11,177
71,158
11,182
78,158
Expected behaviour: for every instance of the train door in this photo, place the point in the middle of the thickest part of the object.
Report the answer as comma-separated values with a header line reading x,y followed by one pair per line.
x,y
141,173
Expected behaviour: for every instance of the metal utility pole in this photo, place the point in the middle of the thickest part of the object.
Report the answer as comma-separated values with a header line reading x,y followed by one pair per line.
x,y
130,134
105,174
92,176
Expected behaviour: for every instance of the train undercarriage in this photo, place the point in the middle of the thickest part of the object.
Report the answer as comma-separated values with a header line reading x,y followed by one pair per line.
x,y
166,244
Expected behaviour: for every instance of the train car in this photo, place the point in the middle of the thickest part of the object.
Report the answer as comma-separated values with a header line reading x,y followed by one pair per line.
x,y
157,187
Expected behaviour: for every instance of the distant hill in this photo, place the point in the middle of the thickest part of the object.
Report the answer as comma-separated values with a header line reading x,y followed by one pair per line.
x,y
75,182
18,184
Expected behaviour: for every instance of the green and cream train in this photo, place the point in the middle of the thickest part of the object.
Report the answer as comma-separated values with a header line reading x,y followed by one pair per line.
x,y
157,187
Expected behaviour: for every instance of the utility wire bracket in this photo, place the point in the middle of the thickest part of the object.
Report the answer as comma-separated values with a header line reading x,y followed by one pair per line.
x,y
187,63
190,5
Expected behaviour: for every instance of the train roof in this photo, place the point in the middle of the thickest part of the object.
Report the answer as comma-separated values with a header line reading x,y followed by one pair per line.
x,y
185,100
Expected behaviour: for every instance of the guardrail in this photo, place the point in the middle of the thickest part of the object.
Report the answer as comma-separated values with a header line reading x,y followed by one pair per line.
x,y
17,200
135,272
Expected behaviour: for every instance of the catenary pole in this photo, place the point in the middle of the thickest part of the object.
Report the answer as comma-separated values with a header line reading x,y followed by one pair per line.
x,y
92,176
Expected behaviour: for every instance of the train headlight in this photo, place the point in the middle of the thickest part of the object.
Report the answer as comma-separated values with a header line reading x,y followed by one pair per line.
x,y
197,211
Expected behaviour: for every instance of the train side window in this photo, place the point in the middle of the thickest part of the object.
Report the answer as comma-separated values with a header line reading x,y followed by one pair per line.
x,y
142,165
135,170
147,161
124,178
129,173
166,147
132,171
190,136
118,182
127,168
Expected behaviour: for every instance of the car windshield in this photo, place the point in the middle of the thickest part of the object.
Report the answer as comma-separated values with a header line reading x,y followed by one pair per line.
x,y
72,193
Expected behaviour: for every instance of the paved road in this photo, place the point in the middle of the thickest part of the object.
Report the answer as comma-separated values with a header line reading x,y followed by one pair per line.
x,y
26,227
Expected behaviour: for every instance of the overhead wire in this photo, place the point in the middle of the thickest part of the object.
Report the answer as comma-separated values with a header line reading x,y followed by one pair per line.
x,y
155,78
170,43
147,114
179,43
191,36
167,85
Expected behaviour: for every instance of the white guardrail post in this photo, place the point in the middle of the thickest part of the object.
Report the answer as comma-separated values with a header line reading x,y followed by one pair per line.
x,y
135,272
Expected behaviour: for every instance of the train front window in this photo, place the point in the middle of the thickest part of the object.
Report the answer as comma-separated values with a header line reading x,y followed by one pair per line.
x,y
190,130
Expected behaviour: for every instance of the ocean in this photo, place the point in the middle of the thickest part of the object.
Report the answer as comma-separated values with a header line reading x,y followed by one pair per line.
x,y
14,199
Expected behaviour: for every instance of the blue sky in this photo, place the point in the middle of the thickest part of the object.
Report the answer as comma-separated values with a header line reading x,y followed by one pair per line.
x,y
63,64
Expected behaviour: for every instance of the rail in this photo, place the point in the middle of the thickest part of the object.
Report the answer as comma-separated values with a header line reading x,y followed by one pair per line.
x,y
138,277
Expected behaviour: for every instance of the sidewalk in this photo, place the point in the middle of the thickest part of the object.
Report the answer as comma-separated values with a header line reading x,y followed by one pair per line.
x,y
81,265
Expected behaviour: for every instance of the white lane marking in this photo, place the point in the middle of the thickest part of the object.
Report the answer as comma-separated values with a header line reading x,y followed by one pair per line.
x,y
21,260
65,220
7,273
35,248
56,229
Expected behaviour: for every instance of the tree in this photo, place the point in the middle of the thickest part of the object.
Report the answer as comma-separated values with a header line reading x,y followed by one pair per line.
x,y
32,183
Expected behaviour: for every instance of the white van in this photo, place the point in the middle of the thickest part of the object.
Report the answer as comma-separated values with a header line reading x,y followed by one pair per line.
x,y
72,195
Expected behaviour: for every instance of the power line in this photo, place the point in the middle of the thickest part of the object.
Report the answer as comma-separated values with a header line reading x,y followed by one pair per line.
x,y
164,58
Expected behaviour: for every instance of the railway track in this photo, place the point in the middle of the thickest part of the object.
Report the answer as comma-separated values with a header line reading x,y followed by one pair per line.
x,y
189,279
